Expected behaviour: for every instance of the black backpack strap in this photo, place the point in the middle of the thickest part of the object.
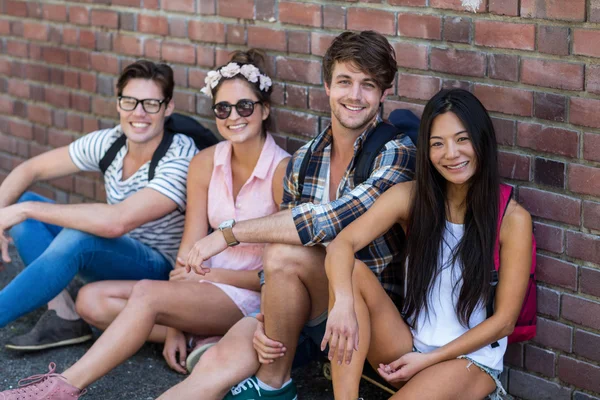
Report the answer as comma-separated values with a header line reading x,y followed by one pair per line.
x,y
303,168
159,153
372,146
111,153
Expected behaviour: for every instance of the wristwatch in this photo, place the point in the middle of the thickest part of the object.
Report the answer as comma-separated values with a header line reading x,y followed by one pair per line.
x,y
226,227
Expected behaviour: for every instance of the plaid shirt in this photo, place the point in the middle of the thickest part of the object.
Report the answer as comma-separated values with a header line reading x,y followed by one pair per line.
x,y
320,223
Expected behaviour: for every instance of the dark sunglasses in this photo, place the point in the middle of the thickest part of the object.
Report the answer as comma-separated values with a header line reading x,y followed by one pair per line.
x,y
151,106
244,108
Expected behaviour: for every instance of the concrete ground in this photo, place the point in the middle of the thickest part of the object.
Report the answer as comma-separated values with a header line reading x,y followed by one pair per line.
x,y
143,377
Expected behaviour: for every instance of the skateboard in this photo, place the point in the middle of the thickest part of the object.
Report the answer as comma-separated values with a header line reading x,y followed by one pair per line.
x,y
369,375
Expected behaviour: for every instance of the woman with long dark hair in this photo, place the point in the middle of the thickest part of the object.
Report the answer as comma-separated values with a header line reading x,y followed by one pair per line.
x,y
441,345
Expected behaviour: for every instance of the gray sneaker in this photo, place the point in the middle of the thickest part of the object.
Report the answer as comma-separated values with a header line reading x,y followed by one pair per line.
x,y
51,331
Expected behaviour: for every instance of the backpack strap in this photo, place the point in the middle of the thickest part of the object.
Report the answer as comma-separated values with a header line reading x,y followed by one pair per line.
x,y
111,153
159,153
506,192
363,166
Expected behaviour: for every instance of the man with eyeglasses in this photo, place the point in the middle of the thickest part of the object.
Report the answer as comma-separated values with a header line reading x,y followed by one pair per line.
x,y
134,235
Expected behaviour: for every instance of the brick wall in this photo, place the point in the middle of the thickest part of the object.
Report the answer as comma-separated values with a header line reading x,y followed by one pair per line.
x,y
535,64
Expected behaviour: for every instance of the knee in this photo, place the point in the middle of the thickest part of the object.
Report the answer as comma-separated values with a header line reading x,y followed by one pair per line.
x,y
142,292
279,259
90,306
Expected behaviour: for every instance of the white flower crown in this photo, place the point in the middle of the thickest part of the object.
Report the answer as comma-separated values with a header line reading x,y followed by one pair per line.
x,y
248,71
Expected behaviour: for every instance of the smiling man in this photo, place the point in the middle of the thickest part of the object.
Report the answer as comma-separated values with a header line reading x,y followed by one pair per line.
x,y
322,195
135,235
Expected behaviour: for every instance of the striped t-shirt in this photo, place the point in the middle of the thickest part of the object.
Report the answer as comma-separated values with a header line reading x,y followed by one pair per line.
x,y
163,234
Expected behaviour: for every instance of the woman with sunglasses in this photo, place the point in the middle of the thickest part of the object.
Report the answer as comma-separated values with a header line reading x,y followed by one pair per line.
x,y
239,178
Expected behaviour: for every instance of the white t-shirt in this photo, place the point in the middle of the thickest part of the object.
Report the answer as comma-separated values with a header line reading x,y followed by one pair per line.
x,y
163,234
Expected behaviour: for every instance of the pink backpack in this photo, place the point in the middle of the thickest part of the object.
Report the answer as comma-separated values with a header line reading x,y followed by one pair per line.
x,y
525,327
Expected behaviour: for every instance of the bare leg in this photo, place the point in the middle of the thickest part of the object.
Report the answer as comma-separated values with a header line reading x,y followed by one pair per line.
x,y
448,380
200,308
383,334
99,303
295,291
64,306
230,361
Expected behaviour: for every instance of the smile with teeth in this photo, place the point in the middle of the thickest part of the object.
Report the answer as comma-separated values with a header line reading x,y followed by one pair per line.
x,y
140,124
458,166
238,126
353,108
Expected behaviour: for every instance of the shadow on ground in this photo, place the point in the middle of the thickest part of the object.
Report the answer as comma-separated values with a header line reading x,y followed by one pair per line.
x,y
143,377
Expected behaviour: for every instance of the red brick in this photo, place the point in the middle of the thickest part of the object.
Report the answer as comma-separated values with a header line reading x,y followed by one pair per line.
x,y
15,8
6,106
104,41
79,59
456,5
265,10
514,166
514,355
585,42
74,123
152,4
20,109
35,31
504,67
583,179
552,74
548,301
300,13
594,15
306,71
208,31
550,106
16,48
548,139
236,34
127,21
84,187
296,123
579,373
58,138
592,79
266,38
130,45
18,88
54,12
566,10
236,8
391,105
591,147
127,3
505,34
589,282
205,56
152,48
409,3
156,25
556,272
551,206
179,53
504,7
196,78
21,129
298,42
554,334
530,387
186,6
4,28
459,62
70,36
71,79
87,39
203,106
553,40
457,29
39,114
420,26
318,100
549,172
104,107
580,310
505,100
79,15
360,19
549,238
584,112
334,17
57,97
539,360
296,96
103,62
587,344
320,42
105,18
505,131
185,101
584,247
409,55
177,27
419,87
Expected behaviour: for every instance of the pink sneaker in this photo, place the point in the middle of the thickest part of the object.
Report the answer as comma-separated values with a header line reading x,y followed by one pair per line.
x,y
50,386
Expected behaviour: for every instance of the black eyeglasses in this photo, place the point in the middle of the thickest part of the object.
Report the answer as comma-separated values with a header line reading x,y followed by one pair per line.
x,y
151,106
244,108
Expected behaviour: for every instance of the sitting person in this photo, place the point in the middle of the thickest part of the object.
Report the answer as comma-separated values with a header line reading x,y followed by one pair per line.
x,y
358,70
134,236
237,179
444,345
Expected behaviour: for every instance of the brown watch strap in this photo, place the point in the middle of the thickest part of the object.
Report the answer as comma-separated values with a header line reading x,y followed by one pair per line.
x,y
229,238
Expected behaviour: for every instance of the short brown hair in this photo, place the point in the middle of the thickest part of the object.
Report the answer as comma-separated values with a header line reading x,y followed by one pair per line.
x,y
161,74
368,50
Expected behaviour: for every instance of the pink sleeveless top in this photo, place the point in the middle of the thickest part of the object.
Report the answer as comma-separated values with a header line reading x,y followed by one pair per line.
x,y
254,200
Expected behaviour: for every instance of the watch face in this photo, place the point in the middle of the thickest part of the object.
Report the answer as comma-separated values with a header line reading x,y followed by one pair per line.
x,y
227,224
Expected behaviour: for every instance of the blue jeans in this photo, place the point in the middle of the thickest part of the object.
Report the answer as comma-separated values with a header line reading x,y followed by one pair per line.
x,y
54,255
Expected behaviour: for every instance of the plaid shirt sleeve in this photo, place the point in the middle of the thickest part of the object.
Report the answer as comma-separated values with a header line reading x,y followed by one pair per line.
x,y
291,195
322,222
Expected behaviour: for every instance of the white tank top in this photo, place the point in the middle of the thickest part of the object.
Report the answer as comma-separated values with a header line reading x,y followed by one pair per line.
x,y
441,325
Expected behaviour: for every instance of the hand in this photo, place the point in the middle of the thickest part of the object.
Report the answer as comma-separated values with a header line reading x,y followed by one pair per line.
x,y
341,331
182,275
405,367
175,344
204,249
268,350
9,217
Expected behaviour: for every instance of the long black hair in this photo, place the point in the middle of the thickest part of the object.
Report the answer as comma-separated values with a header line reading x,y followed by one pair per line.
x,y
427,221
